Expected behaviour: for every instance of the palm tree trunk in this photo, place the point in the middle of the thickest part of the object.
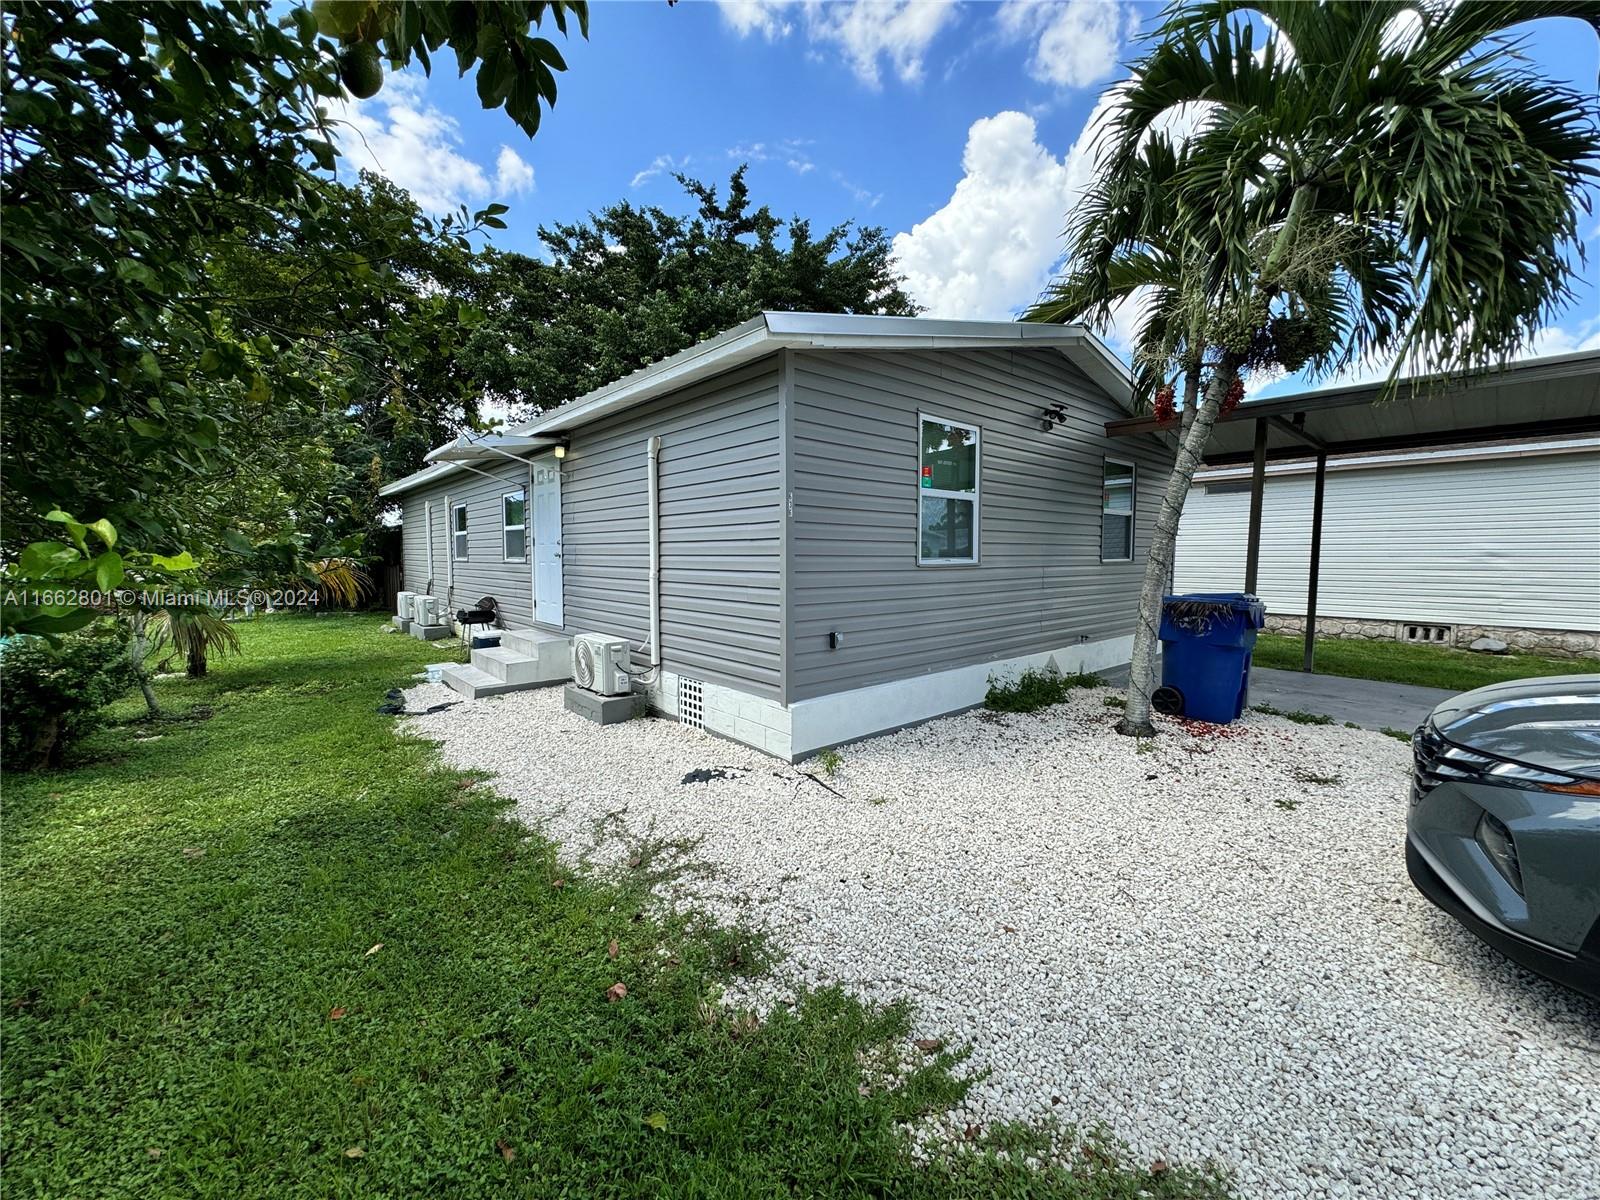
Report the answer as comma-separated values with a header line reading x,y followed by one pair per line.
x,y
1163,543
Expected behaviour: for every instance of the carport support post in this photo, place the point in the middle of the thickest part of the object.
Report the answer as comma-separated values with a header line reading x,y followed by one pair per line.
x,y
1316,563
1258,479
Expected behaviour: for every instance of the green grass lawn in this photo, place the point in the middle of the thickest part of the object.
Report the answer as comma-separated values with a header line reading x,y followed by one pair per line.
x,y
280,952
1426,666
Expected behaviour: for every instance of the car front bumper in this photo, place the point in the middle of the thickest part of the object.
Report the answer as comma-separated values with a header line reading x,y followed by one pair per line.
x,y
1580,971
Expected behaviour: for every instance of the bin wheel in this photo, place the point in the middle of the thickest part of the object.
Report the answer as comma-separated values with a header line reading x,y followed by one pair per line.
x,y
1167,701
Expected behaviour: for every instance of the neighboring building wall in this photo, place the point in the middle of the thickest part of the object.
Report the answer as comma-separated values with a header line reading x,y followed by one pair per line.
x,y
1506,546
719,495
485,571
1039,586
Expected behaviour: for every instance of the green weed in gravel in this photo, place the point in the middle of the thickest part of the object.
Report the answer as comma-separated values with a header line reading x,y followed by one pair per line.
x,y
1034,689
281,953
1298,715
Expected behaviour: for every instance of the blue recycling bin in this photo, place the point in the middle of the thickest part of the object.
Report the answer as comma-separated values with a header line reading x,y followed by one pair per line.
x,y
1207,639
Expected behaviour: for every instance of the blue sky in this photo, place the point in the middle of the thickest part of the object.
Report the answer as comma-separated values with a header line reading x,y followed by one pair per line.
x,y
958,127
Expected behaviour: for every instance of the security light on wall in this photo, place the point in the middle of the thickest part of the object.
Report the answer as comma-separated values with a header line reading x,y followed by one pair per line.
x,y
1053,416
561,451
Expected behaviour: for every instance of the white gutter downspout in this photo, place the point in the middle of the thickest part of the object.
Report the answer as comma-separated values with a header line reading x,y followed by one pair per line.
x,y
652,476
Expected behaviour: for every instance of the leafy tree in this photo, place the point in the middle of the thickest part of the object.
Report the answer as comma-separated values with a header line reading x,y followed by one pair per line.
x,y
376,365
1383,191
139,135
632,285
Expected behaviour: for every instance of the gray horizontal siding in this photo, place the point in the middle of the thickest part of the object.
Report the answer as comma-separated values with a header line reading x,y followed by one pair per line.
x,y
1039,583
485,571
720,561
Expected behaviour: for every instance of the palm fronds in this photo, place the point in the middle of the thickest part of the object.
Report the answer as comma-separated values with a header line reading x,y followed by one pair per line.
x,y
192,632
341,581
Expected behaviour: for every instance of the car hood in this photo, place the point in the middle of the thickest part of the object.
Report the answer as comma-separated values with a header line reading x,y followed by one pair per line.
x,y
1551,723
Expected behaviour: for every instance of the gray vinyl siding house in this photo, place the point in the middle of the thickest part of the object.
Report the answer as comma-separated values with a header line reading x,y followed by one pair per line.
x,y
796,506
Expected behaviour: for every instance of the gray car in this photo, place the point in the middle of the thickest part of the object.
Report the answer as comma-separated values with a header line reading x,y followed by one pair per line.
x,y
1504,828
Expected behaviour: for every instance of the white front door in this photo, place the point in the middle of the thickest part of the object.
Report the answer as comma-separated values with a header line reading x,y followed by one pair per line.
x,y
547,542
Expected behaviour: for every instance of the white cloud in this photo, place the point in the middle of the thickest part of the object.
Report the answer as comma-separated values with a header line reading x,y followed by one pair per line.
x,y
867,32
659,165
1554,340
801,165
765,17
994,245
860,194
512,176
1076,43
399,135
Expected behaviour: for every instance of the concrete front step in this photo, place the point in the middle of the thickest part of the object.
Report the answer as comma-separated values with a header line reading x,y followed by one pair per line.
x,y
537,643
474,683
511,666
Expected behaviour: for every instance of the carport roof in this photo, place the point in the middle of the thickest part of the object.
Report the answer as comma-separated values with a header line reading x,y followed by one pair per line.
x,y
1541,397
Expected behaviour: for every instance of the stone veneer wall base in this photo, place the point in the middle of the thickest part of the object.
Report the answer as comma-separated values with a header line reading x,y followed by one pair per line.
x,y
1552,643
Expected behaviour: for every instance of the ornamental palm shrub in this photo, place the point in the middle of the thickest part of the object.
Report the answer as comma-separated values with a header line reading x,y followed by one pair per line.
x,y
192,632
51,696
1379,181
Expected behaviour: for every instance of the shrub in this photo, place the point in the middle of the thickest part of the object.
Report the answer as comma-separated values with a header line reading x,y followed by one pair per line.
x,y
1034,689
51,697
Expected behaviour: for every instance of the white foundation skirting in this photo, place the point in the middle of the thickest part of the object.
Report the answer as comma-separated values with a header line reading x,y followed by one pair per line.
x,y
808,726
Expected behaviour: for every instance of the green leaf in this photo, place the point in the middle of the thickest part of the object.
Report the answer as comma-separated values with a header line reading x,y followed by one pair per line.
x,y
75,530
45,624
104,530
181,561
149,429
237,542
656,1120
39,560
135,271
108,571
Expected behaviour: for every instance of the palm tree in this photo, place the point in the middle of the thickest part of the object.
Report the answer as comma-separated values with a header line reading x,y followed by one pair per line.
x,y
1382,180
193,631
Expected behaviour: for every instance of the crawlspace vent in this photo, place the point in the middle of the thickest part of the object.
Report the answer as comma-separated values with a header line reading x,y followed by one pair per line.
x,y
691,703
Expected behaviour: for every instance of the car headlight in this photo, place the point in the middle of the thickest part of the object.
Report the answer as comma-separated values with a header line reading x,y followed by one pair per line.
x,y
1495,840
1439,761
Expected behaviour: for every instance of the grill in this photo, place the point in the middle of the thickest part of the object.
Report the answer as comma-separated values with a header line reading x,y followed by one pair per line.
x,y
484,614
1437,761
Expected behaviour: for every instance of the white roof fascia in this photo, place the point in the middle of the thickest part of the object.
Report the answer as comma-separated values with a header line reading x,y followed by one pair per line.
x,y
772,331
830,331
1378,461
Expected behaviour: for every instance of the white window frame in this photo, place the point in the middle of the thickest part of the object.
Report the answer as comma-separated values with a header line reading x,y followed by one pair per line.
x,y
974,497
457,554
506,529
1133,507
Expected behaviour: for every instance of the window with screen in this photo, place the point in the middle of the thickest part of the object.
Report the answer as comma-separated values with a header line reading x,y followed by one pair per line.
x,y
514,521
948,500
458,532
1116,512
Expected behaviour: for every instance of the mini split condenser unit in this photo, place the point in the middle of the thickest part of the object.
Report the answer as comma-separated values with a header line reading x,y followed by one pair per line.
x,y
600,664
403,606
425,610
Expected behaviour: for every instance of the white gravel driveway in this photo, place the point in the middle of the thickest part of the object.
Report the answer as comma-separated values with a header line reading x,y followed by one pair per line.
x,y
1209,945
